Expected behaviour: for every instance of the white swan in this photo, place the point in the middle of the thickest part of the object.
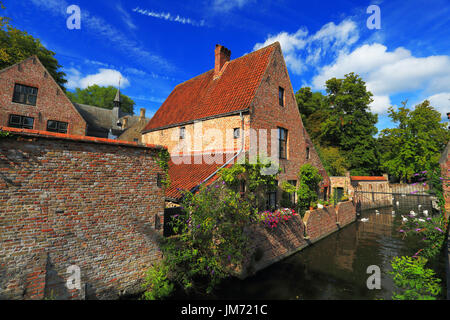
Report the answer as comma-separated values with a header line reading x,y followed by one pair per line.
x,y
425,213
364,220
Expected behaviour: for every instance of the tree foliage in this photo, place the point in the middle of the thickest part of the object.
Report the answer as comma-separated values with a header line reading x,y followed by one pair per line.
x,y
415,144
341,125
17,45
101,97
350,125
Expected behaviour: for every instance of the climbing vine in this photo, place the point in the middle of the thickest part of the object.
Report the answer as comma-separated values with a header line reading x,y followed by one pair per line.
x,y
162,159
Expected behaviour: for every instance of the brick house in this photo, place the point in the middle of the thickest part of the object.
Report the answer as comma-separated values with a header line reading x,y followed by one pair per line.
x,y
31,99
229,110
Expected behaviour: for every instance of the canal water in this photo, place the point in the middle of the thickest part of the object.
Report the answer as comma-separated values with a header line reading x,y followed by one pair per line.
x,y
334,267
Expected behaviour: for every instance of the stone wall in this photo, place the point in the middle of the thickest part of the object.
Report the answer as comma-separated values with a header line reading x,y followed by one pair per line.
x,y
91,203
271,245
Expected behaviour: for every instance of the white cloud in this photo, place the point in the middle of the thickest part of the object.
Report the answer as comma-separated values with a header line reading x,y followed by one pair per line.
x,y
169,17
301,50
389,72
380,104
104,77
126,16
227,5
441,102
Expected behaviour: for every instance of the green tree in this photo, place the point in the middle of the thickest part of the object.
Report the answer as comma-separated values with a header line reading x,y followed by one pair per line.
x,y
101,97
17,45
332,160
415,144
307,192
350,125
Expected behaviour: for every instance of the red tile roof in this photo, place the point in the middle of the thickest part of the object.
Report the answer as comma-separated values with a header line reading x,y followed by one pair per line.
x,y
203,96
48,134
368,178
186,176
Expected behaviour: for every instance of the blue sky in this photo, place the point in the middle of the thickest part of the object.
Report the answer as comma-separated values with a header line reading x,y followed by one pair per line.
x,y
154,45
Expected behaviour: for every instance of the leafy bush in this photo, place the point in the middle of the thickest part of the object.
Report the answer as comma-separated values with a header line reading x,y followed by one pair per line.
x,y
309,184
416,281
211,238
157,284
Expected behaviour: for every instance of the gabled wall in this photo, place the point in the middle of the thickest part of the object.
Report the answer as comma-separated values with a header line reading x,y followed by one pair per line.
x,y
266,113
51,104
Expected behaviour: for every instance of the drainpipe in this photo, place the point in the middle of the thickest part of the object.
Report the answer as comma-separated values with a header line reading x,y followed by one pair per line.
x,y
234,157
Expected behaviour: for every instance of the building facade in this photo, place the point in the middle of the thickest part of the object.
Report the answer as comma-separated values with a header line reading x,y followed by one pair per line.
x,y
246,105
31,99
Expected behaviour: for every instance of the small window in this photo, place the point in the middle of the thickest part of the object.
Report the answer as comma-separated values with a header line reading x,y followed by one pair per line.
x,y
281,96
292,195
282,140
307,153
57,126
25,95
182,132
271,203
236,133
135,139
242,187
16,121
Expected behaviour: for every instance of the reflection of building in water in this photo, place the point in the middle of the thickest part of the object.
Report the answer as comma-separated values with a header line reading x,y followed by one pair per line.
x,y
379,224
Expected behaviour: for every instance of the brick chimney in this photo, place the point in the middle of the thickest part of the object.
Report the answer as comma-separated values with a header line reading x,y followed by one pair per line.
x,y
222,55
142,116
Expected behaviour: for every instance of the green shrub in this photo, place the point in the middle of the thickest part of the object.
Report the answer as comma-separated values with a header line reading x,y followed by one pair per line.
x,y
415,281
157,284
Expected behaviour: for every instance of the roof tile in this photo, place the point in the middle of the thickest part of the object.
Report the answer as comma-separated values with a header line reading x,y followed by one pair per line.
x,y
204,96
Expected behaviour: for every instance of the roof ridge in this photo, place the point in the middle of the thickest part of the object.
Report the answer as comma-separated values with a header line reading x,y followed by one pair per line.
x,y
229,62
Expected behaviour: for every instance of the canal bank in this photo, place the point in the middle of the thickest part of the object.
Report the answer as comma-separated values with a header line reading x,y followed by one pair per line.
x,y
270,245
333,268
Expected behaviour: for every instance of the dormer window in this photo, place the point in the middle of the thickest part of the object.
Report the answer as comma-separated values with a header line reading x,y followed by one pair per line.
x,y
182,132
281,96
25,94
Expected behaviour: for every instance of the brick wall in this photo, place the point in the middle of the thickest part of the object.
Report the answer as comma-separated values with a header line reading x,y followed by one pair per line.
x,y
51,104
266,113
271,245
221,137
65,202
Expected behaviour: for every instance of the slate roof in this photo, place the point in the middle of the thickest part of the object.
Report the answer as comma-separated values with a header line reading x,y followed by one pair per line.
x,y
207,96
101,120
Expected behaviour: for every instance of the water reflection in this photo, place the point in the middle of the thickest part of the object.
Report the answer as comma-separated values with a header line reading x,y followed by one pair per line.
x,y
335,267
